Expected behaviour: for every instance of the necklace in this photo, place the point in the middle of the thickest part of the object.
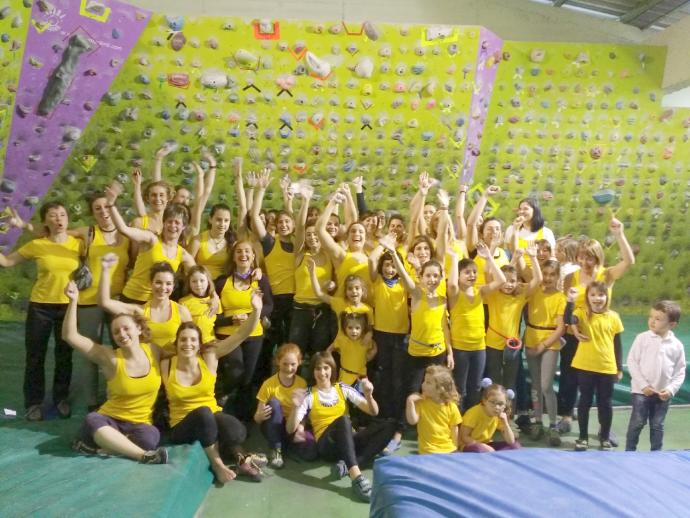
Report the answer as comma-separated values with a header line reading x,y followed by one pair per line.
x,y
108,231
217,241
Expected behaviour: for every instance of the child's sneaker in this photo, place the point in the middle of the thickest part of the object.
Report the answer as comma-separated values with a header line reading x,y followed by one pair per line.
x,y
612,438
581,445
605,445
276,459
536,431
157,456
339,470
362,488
564,426
554,436
391,447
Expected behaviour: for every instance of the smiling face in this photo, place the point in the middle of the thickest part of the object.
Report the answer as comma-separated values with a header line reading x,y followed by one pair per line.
x,y
101,213
173,227
526,211
491,231
126,331
370,224
182,196
220,222
56,220
511,283
550,277
429,211
356,236
333,226
354,291
422,251
587,262
597,300
431,278
188,342
288,365
322,374
158,198
467,276
243,256
353,329
162,285
388,269
396,226
284,225
311,239
198,284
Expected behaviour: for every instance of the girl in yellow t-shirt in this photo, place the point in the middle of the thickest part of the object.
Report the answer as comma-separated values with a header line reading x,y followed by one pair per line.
x,y
199,301
482,420
354,353
275,404
598,359
435,412
543,333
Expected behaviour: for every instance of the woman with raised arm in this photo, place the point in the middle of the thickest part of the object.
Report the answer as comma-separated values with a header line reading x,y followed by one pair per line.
x,y
152,249
123,424
190,378
528,226
57,256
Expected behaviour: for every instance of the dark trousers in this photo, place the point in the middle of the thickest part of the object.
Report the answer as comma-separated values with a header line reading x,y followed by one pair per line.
x,y
310,327
467,374
207,427
389,383
592,383
416,365
647,408
567,381
339,442
502,366
273,429
41,321
280,319
235,374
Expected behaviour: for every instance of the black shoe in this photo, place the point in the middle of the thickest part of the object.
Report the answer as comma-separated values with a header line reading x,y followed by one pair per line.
x,y
81,447
64,409
157,456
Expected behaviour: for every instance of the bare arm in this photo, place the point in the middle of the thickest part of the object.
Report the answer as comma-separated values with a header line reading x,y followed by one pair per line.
x,y
460,223
374,257
388,242
369,406
318,291
134,234
411,409
301,223
239,191
288,196
476,213
137,196
495,273
7,261
258,225
334,250
536,279
232,342
112,306
350,207
442,237
627,255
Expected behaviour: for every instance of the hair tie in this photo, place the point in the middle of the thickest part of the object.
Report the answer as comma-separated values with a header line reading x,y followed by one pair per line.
x,y
510,394
485,383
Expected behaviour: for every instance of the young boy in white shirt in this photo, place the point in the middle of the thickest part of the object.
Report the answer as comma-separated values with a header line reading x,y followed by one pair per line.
x,y
656,362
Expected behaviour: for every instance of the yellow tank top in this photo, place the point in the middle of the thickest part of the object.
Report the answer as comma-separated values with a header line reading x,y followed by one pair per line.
x,y
146,225
351,266
304,293
353,360
391,313
118,274
163,333
131,399
183,399
280,268
138,286
501,259
580,300
214,262
467,322
237,302
447,261
198,307
426,338
322,416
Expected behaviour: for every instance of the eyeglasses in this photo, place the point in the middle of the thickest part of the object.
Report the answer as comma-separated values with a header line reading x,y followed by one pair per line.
x,y
493,402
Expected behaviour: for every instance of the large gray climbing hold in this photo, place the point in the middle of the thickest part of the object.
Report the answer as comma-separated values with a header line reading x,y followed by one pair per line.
x,y
63,75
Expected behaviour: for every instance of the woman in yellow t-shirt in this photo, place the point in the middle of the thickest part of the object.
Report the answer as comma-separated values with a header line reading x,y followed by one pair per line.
x,y
275,404
190,379
123,424
57,256
326,406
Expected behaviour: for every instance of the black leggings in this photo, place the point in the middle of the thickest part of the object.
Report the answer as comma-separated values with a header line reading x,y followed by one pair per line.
x,y
567,381
235,374
601,384
339,442
202,425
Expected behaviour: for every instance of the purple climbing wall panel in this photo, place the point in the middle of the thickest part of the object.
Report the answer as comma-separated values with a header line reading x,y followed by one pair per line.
x,y
74,50
488,57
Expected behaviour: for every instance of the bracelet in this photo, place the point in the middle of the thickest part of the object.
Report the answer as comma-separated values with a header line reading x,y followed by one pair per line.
x,y
443,208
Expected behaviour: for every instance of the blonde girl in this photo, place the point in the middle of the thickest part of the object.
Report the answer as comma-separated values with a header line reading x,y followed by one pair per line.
x,y
435,412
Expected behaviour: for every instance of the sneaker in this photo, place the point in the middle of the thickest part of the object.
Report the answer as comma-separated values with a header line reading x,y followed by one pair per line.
x,y
605,445
249,470
391,447
581,445
362,488
64,409
554,437
34,413
536,431
613,439
276,459
258,459
564,426
81,447
157,456
339,470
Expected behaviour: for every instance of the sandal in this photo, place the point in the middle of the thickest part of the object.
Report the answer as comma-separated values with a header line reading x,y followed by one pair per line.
x,y
34,413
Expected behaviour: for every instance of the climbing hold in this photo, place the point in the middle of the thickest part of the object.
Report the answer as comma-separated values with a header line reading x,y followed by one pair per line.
x,y
178,41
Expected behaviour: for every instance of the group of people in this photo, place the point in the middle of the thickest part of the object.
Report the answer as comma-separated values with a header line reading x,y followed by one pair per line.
x,y
411,323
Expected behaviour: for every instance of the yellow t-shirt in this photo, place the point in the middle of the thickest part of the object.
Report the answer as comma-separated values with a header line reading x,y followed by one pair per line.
x,y
183,399
163,334
131,399
138,286
436,422
214,262
505,312
280,268
597,354
198,308
273,388
304,292
483,425
391,312
467,332
339,306
448,261
353,360
542,311
237,302
351,265
55,263
427,338
118,274
501,259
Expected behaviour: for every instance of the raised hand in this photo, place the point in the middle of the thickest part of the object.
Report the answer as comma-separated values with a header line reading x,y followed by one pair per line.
x,y
483,250
367,387
531,249
306,190
164,151
492,190
252,179
358,182
136,176
443,198
616,226
209,158
264,178
113,191
388,242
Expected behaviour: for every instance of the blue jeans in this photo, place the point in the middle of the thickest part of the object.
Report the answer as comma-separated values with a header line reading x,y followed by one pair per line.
x,y
644,408
467,374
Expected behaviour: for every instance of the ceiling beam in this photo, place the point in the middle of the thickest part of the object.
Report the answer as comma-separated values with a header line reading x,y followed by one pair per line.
x,y
558,3
641,8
